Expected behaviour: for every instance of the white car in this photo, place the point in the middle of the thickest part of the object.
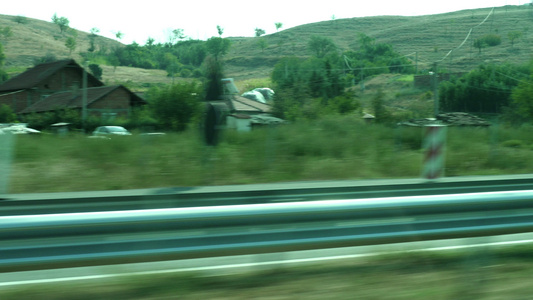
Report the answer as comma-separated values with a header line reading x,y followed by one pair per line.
x,y
104,131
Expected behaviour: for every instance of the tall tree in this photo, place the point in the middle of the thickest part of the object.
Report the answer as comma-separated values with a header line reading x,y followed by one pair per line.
x,y
62,22
214,74
220,30
278,25
217,46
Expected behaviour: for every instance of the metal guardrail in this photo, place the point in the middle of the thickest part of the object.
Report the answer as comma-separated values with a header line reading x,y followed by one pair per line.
x,y
79,239
48,203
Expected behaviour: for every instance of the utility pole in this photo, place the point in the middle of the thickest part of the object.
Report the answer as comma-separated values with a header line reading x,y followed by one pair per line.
x,y
362,80
84,97
435,89
416,62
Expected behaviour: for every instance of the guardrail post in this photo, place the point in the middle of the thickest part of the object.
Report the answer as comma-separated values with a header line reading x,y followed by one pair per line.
x,y
434,144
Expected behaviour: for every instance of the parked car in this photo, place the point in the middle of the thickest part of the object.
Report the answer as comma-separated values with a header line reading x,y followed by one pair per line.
x,y
106,131
17,129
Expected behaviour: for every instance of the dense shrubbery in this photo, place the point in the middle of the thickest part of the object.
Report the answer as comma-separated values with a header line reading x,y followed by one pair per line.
x,y
486,89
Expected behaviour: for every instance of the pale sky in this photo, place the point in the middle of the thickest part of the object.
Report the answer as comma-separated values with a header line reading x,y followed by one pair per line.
x,y
139,20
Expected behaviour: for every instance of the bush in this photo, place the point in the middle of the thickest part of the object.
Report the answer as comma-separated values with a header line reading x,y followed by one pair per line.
x,y
174,107
513,144
491,40
6,114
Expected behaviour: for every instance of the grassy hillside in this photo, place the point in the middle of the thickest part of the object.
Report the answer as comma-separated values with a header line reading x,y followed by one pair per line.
x,y
424,39
428,38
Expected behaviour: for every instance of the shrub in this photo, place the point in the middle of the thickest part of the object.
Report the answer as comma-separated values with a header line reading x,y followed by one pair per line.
x,y
491,39
513,144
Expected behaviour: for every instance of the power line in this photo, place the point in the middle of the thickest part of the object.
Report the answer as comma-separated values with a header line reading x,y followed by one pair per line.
x,y
467,36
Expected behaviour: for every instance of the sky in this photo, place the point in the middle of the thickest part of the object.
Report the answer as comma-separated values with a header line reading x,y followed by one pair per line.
x,y
140,20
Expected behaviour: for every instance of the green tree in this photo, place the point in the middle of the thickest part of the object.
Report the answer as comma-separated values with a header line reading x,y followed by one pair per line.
x,y
259,32
119,35
6,33
6,114
3,74
61,22
482,90
321,45
522,99
114,61
71,44
21,19
278,25
217,46
92,39
479,44
214,74
174,36
175,106
262,43
514,35
220,31
380,111
96,70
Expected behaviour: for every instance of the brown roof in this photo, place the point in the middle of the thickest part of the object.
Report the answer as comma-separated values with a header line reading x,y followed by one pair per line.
x,y
241,104
37,74
64,100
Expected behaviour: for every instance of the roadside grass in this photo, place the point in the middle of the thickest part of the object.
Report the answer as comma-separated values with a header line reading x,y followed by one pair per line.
x,y
331,148
481,273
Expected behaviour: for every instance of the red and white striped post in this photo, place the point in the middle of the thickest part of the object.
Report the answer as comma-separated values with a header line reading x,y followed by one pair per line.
x,y
434,144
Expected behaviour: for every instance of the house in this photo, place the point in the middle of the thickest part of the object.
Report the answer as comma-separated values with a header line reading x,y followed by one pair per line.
x,y
106,101
59,85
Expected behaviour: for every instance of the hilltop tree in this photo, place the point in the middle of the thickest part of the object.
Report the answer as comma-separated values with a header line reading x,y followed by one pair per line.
x,y
278,25
62,22
119,35
259,32
220,30
21,19
175,35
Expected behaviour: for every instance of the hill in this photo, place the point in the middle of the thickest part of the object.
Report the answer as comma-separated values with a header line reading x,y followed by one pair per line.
x,y
424,39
